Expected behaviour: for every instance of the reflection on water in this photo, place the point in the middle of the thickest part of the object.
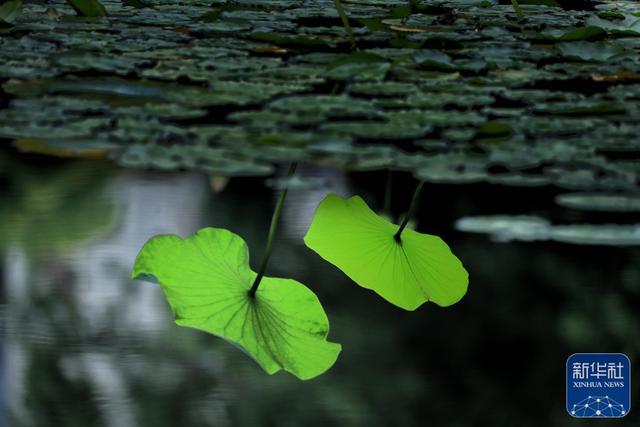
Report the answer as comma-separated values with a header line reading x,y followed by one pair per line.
x,y
83,345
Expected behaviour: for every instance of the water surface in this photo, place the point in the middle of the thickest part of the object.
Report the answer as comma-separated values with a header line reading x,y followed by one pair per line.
x,y
83,345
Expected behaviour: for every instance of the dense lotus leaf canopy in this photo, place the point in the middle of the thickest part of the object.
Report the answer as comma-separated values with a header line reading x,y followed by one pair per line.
x,y
233,87
419,268
206,279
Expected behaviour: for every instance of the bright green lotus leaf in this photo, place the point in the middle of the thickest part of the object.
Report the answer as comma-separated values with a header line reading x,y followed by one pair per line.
x,y
419,268
206,279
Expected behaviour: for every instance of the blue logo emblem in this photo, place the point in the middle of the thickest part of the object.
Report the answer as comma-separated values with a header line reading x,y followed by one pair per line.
x,y
598,385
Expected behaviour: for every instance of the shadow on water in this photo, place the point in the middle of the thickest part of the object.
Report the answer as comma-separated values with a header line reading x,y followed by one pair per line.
x,y
84,345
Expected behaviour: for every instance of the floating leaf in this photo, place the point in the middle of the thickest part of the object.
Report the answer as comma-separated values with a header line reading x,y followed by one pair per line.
x,y
629,26
359,66
597,234
586,33
9,12
407,273
493,129
506,228
90,8
434,60
600,202
590,52
206,279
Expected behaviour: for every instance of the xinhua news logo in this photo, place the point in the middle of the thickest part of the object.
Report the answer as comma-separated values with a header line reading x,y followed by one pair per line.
x,y
598,385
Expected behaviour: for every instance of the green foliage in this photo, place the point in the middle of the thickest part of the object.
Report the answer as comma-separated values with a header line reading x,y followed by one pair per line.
x,y
89,8
266,82
280,83
9,12
206,279
407,273
359,66
590,52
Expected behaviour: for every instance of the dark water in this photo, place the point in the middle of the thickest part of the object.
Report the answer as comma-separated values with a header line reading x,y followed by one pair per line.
x,y
83,345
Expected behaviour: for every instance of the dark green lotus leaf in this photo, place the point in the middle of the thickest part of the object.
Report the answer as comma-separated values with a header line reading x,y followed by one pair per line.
x,y
452,168
555,126
511,154
506,228
78,128
519,180
458,134
441,99
378,130
269,120
576,34
629,26
90,8
299,41
434,60
529,228
591,179
113,90
358,66
383,89
327,106
275,154
84,61
608,202
214,29
597,234
493,129
591,52
290,138
220,135
162,111
334,147
9,12
215,161
375,157
581,108
434,118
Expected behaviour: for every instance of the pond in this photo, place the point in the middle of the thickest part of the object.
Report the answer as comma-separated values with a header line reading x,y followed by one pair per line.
x,y
165,117
82,344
